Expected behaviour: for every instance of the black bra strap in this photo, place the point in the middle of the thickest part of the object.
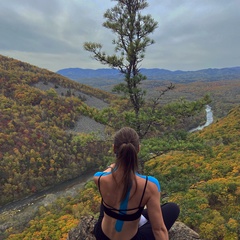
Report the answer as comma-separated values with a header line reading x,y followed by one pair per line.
x,y
143,191
99,184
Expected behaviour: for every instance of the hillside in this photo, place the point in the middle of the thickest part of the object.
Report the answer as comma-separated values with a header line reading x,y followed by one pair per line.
x,y
205,184
29,74
43,117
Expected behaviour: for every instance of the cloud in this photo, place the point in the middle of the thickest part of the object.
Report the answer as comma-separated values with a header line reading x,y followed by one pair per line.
x,y
50,34
195,35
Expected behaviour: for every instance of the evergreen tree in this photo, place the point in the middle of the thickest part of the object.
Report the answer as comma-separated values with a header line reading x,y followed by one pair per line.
x,y
132,31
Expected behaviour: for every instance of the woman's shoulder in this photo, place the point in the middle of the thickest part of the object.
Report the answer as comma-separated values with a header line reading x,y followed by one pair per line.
x,y
100,174
152,180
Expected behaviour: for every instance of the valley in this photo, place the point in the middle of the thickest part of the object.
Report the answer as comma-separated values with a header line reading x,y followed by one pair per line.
x,y
53,132
18,214
222,85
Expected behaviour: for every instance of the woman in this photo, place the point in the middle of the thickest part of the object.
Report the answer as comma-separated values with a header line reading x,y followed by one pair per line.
x,y
125,193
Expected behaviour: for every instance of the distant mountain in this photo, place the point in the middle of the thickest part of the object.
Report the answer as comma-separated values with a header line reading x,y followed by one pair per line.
x,y
113,76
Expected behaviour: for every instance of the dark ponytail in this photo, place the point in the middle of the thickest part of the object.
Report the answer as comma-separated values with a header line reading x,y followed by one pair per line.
x,y
126,146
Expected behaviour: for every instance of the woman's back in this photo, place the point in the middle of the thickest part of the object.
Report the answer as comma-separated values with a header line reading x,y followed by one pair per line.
x,y
129,209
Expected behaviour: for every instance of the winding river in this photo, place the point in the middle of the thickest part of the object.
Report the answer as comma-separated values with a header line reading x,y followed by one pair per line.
x,y
19,213
209,119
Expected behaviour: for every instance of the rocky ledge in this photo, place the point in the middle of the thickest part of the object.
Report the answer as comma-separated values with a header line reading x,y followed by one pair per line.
x,y
83,231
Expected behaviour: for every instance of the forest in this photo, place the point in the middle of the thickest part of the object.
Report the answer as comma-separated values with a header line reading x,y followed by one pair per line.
x,y
199,171
36,150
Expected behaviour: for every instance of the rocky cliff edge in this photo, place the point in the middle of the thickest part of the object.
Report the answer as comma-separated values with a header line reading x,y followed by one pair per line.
x,y
83,231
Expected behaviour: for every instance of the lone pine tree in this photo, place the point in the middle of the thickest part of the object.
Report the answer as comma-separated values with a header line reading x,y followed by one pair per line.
x,y
132,31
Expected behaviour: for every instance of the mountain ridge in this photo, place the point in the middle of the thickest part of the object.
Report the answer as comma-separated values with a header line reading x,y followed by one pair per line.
x,y
210,74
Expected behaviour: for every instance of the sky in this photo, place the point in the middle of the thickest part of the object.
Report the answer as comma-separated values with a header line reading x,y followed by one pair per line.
x,y
191,34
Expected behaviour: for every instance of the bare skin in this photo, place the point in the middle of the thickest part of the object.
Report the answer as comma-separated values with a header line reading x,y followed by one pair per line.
x,y
111,193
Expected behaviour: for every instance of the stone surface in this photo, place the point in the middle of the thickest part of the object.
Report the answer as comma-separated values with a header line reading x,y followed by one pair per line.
x,y
83,231
180,231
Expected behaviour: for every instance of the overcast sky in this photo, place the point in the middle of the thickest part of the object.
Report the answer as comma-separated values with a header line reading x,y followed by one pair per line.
x,y
191,34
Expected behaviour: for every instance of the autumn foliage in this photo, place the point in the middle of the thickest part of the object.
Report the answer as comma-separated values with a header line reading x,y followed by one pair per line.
x,y
37,150
199,171
207,187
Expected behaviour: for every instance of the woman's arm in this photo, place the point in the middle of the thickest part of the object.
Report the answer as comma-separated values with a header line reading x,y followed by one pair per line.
x,y
155,214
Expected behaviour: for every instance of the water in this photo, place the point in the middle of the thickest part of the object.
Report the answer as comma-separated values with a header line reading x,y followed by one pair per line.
x,y
209,119
18,213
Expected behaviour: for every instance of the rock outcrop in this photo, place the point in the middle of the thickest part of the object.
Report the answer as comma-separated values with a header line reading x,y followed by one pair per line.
x,y
83,231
